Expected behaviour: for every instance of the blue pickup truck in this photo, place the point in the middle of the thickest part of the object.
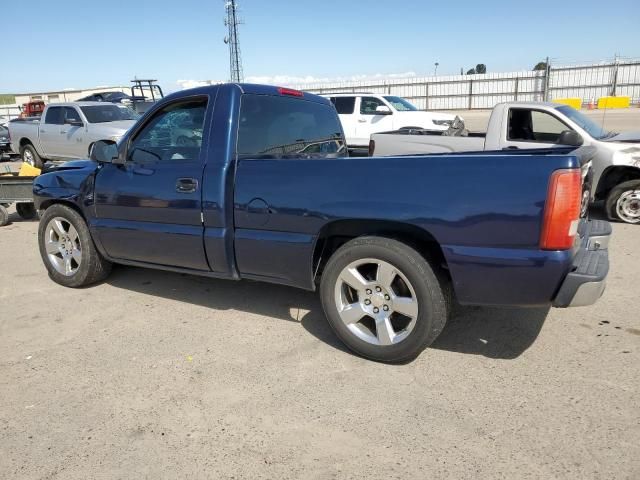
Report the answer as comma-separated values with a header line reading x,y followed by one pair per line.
x,y
242,181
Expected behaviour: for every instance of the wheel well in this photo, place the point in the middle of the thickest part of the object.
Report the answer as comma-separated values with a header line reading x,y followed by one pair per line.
x,y
613,176
48,203
336,234
24,142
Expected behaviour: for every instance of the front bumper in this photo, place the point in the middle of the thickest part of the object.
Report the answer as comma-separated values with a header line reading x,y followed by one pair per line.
x,y
587,279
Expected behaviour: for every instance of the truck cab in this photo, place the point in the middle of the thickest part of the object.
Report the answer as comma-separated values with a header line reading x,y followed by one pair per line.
x,y
616,160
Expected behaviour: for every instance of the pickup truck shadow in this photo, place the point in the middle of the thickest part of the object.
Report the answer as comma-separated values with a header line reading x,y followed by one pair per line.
x,y
491,332
504,333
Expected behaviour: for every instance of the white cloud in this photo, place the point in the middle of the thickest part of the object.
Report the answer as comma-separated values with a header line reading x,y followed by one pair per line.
x,y
290,80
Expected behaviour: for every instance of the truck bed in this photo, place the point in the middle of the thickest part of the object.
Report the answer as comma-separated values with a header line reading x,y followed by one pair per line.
x,y
425,141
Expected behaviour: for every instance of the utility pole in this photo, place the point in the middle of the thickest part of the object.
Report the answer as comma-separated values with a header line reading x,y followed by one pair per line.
x,y
231,22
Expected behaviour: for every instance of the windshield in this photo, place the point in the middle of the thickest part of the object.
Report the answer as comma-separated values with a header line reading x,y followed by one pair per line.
x,y
108,113
591,127
400,104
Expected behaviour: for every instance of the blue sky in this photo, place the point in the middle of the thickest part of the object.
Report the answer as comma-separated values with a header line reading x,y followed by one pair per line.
x,y
86,43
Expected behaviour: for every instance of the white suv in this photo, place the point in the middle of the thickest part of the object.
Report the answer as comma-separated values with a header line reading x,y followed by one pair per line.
x,y
363,114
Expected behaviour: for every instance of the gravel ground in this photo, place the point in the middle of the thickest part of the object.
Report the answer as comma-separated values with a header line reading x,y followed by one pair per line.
x,y
160,375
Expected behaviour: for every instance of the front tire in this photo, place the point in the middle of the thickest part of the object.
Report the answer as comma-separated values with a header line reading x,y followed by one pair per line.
x,y
29,155
383,299
623,202
67,249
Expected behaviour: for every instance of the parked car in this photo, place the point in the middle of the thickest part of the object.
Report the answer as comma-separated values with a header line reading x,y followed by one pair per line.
x,y
513,125
68,130
112,97
363,114
5,143
269,194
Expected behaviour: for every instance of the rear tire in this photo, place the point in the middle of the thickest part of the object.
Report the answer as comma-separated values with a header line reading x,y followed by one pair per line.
x,y
67,249
27,211
4,216
623,202
383,299
29,155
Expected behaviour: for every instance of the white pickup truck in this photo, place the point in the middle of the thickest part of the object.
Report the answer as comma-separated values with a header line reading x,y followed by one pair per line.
x,y
362,114
514,125
66,131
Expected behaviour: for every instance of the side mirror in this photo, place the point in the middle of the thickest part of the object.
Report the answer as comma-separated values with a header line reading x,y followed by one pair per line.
x,y
570,138
73,123
104,151
383,110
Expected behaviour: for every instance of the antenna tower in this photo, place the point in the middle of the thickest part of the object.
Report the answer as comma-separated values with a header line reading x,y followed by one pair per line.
x,y
231,22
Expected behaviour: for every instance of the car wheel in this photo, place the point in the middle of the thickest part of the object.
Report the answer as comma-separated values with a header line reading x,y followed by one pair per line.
x,y
67,249
30,156
4,216
623,202
383,299
27,211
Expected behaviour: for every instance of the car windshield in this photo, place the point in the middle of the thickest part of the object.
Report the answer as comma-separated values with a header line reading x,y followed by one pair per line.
x,y
107,113
400,104
591,127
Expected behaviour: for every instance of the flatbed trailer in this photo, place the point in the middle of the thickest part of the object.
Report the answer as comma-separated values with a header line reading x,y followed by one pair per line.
x,y
18,190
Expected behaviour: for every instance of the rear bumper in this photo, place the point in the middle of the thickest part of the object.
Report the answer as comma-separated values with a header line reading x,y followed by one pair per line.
x,y
587,279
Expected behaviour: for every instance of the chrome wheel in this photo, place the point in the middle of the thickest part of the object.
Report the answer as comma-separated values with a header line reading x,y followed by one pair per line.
x,y
27,156
376,301
628,206
63,247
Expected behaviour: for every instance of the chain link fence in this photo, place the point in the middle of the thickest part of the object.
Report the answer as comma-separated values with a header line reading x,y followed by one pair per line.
x,y
462,92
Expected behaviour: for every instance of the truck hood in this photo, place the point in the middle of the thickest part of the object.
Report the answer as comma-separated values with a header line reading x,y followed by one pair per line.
x,y
626,137
88,165
114,129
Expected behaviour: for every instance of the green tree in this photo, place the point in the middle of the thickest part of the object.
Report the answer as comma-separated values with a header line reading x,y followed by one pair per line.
x,y
481,68
540,66
471,71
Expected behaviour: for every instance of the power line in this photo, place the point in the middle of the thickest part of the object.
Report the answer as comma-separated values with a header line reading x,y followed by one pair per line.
x,y
231,22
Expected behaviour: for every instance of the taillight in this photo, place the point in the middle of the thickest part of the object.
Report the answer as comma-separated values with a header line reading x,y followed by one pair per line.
x,y
561,210
372,147
290,91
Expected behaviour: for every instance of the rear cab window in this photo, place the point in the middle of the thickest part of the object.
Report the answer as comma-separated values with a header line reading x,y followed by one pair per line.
x,y
529,125
281,127
344,105
54,116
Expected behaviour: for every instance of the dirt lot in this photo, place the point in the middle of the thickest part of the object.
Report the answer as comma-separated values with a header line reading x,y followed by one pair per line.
x,y
160,375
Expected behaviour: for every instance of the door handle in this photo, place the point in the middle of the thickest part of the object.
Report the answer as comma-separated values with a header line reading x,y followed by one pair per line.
x,y
362,120
511,147
186,185
62,132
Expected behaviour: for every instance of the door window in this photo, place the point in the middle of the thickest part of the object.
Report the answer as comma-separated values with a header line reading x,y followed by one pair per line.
x,y
174,133
344,105
54,116
534,126
71,115
368,105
